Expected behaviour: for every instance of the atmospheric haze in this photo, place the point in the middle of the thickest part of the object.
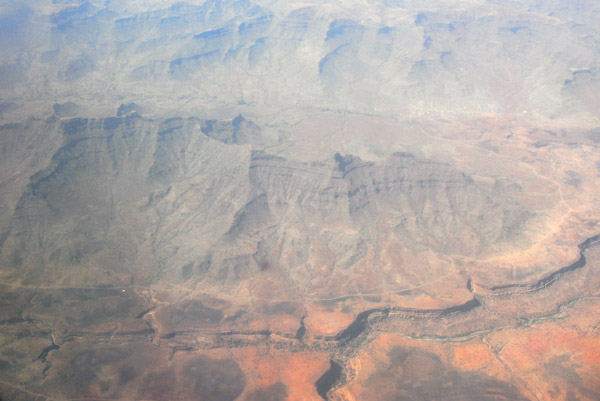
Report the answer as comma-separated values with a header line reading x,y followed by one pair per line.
x,y
300,200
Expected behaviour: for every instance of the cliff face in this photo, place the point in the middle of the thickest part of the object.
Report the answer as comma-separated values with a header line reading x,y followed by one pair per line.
x,y
292,200
176,201
189,235
108,190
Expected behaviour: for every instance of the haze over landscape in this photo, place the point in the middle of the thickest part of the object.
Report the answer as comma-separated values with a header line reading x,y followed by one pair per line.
x,y
300,200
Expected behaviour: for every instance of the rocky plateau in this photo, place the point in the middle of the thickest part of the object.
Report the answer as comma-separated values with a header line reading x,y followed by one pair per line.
x,y
301,200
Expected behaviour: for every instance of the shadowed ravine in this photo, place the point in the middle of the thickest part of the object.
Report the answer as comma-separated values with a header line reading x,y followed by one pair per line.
x,y
548,279
252,200
422,324
354,336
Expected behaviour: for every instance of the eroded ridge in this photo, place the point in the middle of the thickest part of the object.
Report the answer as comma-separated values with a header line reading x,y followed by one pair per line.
x,y
476,318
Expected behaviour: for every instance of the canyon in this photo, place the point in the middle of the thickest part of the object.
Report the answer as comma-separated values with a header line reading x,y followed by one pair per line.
x,y
268,201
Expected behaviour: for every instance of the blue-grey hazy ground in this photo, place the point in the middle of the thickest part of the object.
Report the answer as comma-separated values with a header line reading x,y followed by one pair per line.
x,y
193,194
408,58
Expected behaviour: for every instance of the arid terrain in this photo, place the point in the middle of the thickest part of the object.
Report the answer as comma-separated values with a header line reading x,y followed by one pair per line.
x,y
346,200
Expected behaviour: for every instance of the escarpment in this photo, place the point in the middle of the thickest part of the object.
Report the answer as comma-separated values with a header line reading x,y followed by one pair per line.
x,y
260,247
216,211
253,200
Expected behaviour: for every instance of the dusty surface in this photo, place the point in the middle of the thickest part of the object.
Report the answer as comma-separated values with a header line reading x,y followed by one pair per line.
x,y
268,201
295,300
